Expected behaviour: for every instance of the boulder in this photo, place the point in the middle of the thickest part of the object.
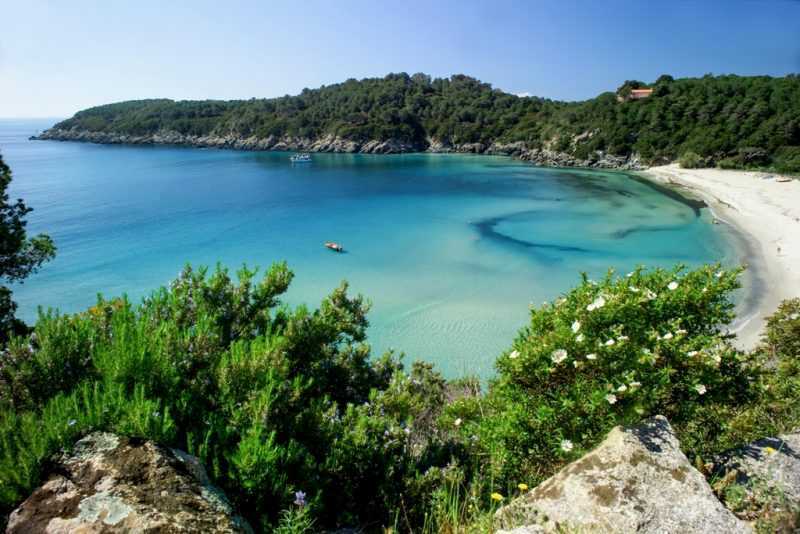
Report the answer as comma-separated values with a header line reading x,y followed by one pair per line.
x,y
637,480
774,461
112,484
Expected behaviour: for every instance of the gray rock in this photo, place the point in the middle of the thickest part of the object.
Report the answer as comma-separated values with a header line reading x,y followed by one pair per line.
x,y
637,480
330,143
111,484
774,461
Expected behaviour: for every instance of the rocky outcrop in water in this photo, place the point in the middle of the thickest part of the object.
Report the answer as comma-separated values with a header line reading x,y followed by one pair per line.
x,y
637,480
111,484
332,143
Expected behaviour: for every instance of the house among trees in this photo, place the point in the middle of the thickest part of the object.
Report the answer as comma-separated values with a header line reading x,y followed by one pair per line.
x,y
634,94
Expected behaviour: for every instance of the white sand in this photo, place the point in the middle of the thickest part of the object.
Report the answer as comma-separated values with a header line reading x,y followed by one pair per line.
x,y
767,214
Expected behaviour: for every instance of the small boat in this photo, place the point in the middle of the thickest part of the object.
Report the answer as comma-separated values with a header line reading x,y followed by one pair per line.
x,y
301,158
336,247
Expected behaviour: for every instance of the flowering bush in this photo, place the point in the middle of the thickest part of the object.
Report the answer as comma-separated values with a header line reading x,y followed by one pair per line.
x,y
608,353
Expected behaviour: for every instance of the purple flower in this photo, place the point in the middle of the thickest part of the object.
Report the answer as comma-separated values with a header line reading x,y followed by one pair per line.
x,y
300,498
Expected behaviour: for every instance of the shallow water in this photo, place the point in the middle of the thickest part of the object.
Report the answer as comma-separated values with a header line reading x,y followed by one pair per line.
x,y
451,249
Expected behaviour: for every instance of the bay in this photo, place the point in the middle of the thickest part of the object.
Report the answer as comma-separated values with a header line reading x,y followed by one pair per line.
x,y
450,249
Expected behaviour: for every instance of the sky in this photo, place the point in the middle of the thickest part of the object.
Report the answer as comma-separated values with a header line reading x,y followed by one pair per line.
x,y
57,57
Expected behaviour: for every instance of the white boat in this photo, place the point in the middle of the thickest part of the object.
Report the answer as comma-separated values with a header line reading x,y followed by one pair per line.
x,y
301,158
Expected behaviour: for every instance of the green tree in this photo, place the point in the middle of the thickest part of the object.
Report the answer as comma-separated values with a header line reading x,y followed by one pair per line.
x,y
20,256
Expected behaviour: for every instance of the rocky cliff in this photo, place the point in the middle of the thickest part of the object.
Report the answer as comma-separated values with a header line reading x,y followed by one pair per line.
x,y
331,143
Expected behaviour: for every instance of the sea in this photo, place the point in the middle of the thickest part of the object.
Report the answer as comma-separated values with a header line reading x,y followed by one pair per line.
x,y
451,250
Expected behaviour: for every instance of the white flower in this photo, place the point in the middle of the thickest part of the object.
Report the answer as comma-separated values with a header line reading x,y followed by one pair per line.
x,y
622,389
598,303
681,332
579,338
591,356
794,316
634,289
672,286
457,422
719,274
609,342
576,364
650,295
566,445
558,355
700,388
692,353
629,274
623,338
514,354
668,335
576,326
646,350
635,384
705,290
611,398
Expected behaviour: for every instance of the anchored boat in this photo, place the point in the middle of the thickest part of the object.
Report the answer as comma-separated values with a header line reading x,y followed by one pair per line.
x,y
336,247
301,158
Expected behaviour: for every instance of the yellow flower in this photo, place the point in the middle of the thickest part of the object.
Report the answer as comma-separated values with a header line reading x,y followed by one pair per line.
x,y
769,450
497,497
522,487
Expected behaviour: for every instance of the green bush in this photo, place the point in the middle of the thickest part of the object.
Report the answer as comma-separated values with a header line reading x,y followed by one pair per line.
x,y
787,160
273,400
781,339
612,353
279,402
690,160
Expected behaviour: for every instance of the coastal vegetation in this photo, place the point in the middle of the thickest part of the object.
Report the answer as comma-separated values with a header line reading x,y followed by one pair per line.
x,y
727,121
301,425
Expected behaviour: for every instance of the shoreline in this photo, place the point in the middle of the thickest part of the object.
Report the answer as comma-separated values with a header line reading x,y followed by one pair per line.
x,y
764,215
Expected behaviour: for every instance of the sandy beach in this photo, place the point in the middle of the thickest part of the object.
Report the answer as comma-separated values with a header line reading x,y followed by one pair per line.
x,y
766,213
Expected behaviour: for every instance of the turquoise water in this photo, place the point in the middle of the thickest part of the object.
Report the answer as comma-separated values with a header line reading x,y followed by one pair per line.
x,y
451,249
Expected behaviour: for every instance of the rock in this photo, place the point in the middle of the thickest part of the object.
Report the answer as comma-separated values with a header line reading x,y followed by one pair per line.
x,y
331,143
774,461
637,480
111,484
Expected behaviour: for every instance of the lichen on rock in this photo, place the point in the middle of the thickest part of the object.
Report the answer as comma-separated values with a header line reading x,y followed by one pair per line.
x,y
112,484
637,480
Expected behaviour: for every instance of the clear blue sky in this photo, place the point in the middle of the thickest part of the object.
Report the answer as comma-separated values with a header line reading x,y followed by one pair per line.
x,y
57,57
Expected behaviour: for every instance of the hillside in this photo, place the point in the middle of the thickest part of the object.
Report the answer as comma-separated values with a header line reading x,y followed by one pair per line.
x,y
730,121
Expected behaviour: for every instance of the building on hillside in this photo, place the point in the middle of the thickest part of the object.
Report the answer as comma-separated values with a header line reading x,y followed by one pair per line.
x,y
636,94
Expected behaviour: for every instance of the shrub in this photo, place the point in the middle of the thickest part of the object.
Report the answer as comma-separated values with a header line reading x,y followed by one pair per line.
x,y
787,160
612,353
273,400
781,338
690,160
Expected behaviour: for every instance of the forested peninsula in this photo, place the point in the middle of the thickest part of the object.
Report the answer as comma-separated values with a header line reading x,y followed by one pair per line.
x,y
724,121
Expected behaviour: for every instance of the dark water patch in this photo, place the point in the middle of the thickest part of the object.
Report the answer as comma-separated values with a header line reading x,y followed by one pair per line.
x,y
622,234
487,229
